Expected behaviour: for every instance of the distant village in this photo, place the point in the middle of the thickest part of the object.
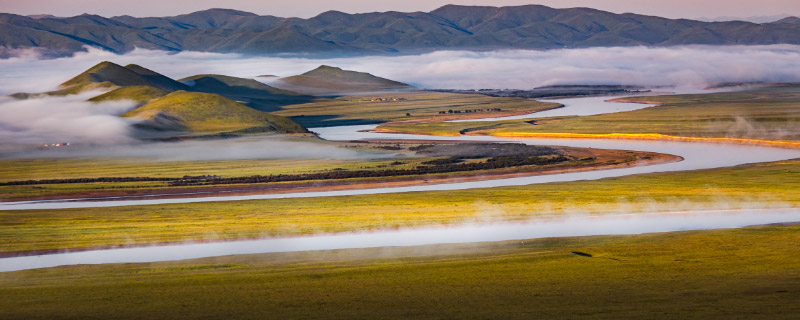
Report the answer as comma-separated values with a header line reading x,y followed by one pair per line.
x,y
55,145
385,99
470,111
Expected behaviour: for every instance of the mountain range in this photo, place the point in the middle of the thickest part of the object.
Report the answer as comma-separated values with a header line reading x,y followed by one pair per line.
x,y
338,33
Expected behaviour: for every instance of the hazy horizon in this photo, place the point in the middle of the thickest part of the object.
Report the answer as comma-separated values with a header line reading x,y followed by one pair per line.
x,y
690,9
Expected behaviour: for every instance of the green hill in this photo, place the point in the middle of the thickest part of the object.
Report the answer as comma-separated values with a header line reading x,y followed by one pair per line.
x,y
116,75
108,75
336,79
249,92
206,112
220,84
140,94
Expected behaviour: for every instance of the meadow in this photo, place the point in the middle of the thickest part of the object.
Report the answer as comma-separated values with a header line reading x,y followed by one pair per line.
x,y
26,178
763,113
765,185
743,273
410,106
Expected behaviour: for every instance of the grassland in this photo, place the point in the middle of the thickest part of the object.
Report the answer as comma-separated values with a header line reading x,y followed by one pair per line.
x,y
359,109
36,169
759,185
391,163
768,113
749,273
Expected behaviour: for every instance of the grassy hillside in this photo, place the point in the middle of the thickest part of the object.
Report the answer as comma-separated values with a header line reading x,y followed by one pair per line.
x,y
336,79
108,75
205,112
140,94
770,113
250,92
130,75
748,273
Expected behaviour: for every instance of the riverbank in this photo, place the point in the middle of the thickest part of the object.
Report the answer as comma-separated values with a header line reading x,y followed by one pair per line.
x,y
674,275
762,116
601,159
767,185
628,136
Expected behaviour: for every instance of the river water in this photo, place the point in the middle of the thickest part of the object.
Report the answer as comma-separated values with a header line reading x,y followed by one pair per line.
x,y
696,156
569,226
586,106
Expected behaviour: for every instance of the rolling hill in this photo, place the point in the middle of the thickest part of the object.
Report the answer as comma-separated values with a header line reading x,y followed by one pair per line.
x,y
327,78
208,113
116,75
134,82
202,105
108,75
140,94
338,33
249,92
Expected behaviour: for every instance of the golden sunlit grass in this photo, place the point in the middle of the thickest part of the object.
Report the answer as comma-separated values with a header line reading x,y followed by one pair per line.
x,y
760,185
723,274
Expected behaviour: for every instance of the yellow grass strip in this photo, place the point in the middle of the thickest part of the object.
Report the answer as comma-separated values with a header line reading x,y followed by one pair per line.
x,y
645,136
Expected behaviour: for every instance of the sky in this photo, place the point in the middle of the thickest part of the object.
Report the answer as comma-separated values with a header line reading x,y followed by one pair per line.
x,y
308,8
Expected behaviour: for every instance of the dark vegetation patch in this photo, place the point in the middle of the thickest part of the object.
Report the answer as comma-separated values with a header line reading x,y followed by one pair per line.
x,y
485,156
582,254
483,150
491,163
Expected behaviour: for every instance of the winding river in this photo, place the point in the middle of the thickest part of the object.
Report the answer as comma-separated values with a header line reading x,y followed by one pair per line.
x,y
696,156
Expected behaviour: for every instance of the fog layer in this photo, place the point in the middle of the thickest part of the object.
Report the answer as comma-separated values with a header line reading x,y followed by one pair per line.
x,y
518,69
51,120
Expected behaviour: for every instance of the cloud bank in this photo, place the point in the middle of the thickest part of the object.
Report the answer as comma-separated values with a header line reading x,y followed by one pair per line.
x,y
63,119
691,66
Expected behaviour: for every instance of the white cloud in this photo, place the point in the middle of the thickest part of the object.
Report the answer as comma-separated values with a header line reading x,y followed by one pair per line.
x,y
63,119
519,69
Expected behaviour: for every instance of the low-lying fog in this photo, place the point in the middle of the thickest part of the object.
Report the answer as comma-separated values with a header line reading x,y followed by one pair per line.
x,y
513,69
71,119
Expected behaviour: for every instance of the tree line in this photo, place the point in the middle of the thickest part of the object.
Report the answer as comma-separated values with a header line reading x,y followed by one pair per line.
x,y
492,163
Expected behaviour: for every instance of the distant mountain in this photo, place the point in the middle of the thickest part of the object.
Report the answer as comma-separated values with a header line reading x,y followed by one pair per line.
x,y
329,78
789,20
338,33
208,112
753,19
41,16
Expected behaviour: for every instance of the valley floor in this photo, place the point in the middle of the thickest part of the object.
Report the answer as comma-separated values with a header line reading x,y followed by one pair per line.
x,y
763,115
748,273
766,185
